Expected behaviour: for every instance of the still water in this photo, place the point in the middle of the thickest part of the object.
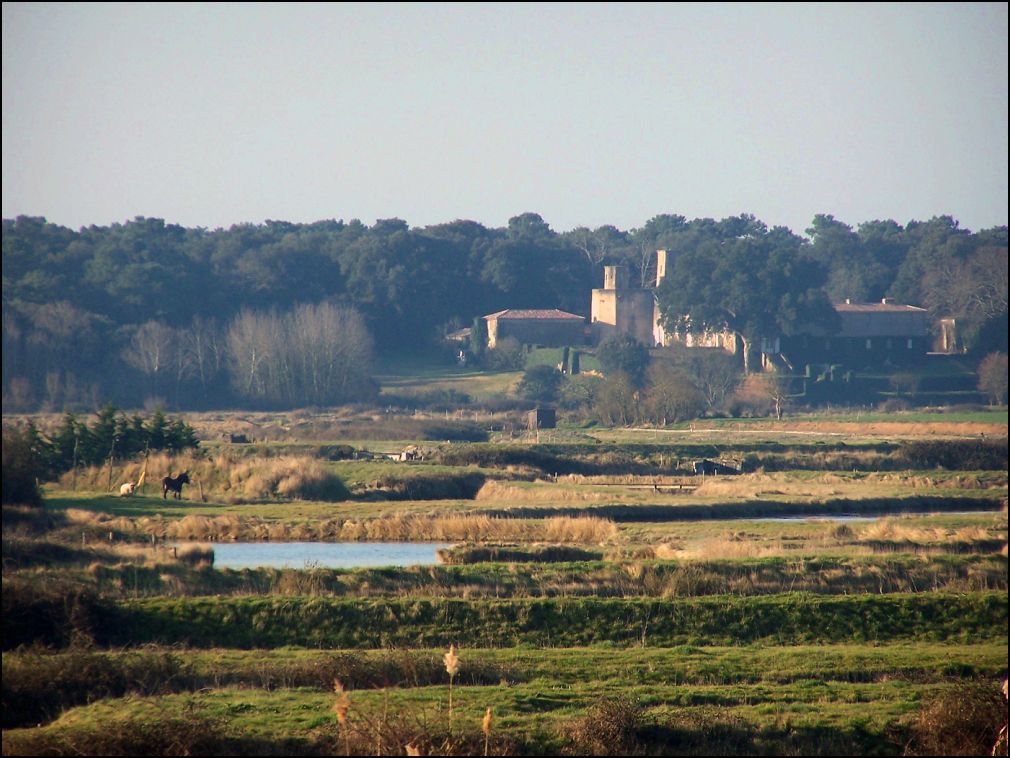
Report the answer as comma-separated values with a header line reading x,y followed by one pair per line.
x,y
299,555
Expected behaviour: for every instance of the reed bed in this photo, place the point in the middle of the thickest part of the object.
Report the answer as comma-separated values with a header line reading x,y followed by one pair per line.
x,y
398,528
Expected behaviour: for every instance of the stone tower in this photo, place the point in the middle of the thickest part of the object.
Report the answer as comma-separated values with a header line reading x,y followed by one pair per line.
x,y
620,308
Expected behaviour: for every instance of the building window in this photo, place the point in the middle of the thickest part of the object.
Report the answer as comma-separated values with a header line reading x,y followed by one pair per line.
x,y
869,344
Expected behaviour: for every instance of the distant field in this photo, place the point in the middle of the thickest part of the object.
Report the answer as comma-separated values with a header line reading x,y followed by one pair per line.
x,y
478,385
853,428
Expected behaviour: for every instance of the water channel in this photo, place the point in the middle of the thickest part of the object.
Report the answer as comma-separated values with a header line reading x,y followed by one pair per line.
x,y
300,555
348,555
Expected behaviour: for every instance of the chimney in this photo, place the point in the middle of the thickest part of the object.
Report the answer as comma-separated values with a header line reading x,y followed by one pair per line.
x,y
885,301
848,302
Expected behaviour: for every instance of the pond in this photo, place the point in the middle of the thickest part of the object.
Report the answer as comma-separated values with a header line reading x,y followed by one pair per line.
x,y
299,555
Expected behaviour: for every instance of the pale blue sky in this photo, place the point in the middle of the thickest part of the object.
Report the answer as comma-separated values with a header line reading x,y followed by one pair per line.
x,y
209,115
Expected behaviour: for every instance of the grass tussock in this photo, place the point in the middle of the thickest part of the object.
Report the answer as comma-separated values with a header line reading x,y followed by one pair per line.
x,y
362,730
290,477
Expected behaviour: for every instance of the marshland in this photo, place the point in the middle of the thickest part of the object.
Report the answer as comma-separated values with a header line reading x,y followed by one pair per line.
x,y
600,595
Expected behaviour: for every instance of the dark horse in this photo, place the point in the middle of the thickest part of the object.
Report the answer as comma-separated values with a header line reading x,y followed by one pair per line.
x,y
174,484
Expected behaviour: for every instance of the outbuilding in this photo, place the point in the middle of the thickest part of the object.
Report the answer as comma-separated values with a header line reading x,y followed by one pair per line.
x,y
548,328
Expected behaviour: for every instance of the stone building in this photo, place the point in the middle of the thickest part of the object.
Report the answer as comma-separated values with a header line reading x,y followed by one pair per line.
x,y
547,328
871,334
618,308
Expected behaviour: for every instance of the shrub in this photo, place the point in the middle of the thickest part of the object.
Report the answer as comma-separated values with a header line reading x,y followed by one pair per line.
x,y
609,728
894,405
38,685
150,733
506,355
965,720
579,391
956,455
540,383
336,452
623,354
54,615
23,466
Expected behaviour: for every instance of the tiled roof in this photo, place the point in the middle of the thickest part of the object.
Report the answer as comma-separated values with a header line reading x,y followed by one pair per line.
x,y
877,308
552,314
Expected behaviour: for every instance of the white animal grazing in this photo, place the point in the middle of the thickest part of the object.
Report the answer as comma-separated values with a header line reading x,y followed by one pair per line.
x,y
127,489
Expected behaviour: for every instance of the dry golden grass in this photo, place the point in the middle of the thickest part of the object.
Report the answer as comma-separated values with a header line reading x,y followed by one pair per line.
x,y
195,555
632,479
757,485
499,491
893,530
84,518
666,551
721,548
398,528
582,529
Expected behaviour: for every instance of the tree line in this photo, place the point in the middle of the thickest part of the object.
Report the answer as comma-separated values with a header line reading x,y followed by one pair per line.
x,y
284,314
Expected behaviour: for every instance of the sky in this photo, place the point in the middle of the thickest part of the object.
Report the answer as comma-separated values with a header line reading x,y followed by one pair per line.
x,y
208,115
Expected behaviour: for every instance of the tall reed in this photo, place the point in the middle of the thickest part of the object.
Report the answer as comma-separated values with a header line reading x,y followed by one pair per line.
x,y
451,667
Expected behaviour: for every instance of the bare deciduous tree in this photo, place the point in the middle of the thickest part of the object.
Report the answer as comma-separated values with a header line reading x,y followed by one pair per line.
x,y
671,396
992,377
972,290
152,349
313,355
765,393
715,373
203,345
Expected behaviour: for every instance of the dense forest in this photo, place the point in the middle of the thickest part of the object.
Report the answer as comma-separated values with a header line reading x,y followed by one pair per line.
x,y
283,314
